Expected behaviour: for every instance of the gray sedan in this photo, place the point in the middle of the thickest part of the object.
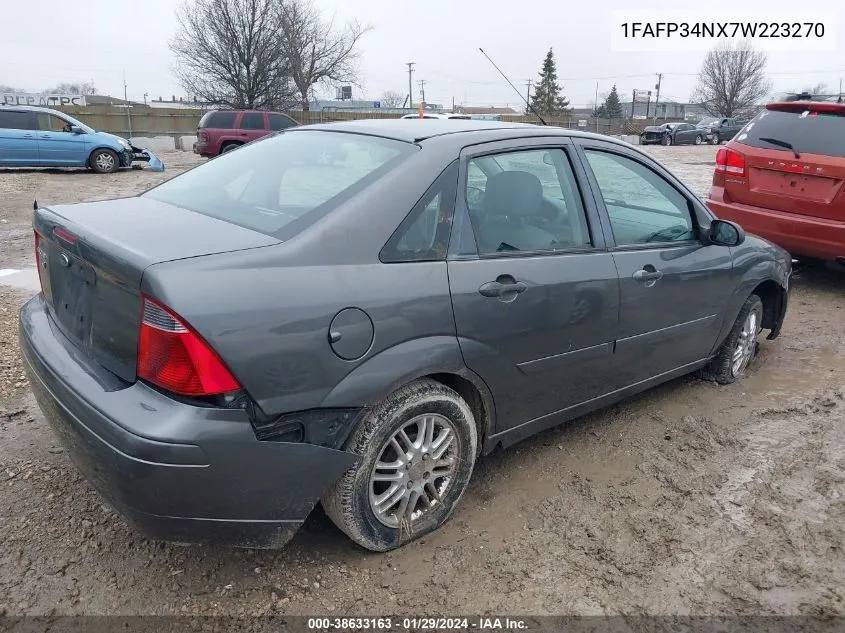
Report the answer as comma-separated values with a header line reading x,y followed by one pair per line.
x,y
271,329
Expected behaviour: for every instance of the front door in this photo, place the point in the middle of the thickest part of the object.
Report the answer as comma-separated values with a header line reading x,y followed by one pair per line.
x,y
18,142
534,290
57,145
673,289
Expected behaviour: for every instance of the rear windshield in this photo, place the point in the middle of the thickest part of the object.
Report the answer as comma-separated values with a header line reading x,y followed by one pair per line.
x,y
811,132
218,120
282,183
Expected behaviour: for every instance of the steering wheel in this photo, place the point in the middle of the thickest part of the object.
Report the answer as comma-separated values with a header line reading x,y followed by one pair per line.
x,y
475,198
669,234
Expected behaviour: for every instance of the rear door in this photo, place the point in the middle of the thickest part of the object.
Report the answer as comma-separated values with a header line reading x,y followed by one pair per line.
x,y
18,140
673,289
57,145
812,184
253,125
534,290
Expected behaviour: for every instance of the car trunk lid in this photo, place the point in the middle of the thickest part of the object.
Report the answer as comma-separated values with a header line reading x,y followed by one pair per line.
x,y
92,256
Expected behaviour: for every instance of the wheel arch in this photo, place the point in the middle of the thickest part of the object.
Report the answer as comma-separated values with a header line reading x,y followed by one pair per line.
x,y
438,358
757,281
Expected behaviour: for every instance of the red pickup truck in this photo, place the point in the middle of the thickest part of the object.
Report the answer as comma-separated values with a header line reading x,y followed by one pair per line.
x,y
224,130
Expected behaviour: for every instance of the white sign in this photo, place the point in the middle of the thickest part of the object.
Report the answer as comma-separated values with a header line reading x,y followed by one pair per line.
x,y
44,100
582,122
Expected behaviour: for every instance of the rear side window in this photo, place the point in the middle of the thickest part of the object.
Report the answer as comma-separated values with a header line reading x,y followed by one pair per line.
x,y
423,236
218,120
282,183
17,120
252,121
812,132
279,122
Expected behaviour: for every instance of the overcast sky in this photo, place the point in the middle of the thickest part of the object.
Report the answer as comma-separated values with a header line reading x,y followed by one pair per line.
x,y
54,41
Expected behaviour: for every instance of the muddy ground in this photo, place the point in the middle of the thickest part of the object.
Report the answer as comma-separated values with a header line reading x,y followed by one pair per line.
x,y
689,499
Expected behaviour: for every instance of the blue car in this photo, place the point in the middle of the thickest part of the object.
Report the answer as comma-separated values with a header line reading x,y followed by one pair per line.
x,y
40,137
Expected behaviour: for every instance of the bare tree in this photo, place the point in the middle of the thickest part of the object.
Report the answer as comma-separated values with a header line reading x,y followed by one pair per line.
x,y
732,80
231,52
392,99
316,52
73,88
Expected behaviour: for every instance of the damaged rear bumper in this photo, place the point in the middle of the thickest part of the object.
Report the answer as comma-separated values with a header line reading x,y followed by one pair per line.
x,y
174,471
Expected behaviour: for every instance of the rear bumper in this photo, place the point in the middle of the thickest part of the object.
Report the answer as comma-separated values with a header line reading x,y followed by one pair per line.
x,y
174,471
799,234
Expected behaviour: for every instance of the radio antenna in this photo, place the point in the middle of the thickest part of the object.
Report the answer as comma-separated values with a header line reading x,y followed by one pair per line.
x,y
530,107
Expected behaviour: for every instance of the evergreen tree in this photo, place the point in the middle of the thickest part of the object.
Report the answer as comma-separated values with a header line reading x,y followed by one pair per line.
x,y
612,108
547,97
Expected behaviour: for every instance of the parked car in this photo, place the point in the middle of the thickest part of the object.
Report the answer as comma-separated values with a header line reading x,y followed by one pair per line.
x,y
438,115
672,134
359,333
222,131
782,177
719,130
40,137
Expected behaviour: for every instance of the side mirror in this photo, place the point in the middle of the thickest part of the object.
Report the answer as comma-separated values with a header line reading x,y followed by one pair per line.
x,y
75,129
725,233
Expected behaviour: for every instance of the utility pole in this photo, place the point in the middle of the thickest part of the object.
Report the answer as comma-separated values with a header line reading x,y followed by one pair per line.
x,y
657,98
528,83
421,82
596,113
410,66
126,103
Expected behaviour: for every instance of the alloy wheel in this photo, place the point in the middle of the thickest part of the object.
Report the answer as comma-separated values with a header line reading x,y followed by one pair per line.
x,y
414,470
746,346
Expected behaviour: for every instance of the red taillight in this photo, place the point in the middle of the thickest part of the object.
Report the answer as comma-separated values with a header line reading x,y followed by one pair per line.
x,y
67,236
827,107
38,263
729,161
174,357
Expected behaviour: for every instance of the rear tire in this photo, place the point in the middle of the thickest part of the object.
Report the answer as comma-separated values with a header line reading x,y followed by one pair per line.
x,y
740,346
104,161
228,147
698,140
360,502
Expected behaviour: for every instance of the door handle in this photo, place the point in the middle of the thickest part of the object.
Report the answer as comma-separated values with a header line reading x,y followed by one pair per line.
x,y
648,274
27,135
504,285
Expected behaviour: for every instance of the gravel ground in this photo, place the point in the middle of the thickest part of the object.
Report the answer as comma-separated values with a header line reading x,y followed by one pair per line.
x,y
690,499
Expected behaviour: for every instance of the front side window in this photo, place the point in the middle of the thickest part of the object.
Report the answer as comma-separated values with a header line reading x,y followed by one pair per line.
x,y
50,123
643,207
280,184
279,122
526,201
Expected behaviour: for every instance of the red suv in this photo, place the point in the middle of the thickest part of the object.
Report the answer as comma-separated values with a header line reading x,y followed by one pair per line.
x,y
783,177
223,130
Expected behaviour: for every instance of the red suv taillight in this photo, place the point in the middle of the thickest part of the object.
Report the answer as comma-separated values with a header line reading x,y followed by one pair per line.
x,y
174,357
730,161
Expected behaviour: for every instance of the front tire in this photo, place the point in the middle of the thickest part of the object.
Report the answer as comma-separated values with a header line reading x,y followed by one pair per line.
x,y
740,347
667,140
418,449
104,161
716,139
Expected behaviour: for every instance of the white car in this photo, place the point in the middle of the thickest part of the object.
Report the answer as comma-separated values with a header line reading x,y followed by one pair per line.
x,y
437,115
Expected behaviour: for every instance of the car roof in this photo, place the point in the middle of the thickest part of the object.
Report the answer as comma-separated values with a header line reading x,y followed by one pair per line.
x,y
414,131
28,108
